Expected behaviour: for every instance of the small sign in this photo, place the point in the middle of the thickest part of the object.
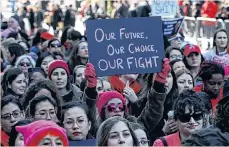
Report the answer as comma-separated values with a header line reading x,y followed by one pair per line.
x,y
165,7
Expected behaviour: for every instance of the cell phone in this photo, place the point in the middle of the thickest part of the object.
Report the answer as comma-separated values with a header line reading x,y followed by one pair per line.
x,y
170,115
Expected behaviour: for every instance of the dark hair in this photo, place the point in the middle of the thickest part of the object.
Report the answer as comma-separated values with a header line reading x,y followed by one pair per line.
x,y
11,99
33,70
17,50
13,35
27,44
206,101
104,129
58,54
217,31
36,100
207,137
37,38
208,68
74,35
170,49
50,42
14,133
64,36
188,98
175,61
8,77
42,57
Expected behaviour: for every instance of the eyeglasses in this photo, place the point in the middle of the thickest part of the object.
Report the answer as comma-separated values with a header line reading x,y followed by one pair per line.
x,y
44,114
144,142
177,56
55,45
187,117
70,123
24,64
113,107
15,114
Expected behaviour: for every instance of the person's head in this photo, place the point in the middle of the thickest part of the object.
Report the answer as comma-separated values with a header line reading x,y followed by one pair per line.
x,y
36,74
54,45
37,38
192,56
184,80
177,65
103,85
222,114
15,51
116,131
59,73
78,74
14,80
111,103
4,48
188,113
173,53
212,75
130,77
25,62
76,119
220,39
16,139
25,45
141,133
106,85
44,59
207,137
58,55
11,112
43,133
13,22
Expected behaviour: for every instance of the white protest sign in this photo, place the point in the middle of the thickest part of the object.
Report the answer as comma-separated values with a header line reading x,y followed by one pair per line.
x,y
165,7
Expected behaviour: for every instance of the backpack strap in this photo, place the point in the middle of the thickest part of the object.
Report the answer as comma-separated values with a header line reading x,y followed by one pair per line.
x,y
164,141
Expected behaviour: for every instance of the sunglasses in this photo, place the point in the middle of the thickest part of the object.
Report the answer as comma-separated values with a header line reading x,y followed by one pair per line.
x,y
24,64
113,107
187,117
55,45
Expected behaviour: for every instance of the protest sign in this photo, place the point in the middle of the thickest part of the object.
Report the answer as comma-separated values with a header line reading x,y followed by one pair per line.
x,y
165,7
171,27
125,46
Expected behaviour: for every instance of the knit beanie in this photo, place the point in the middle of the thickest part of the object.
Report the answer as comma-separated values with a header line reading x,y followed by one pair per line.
x,y
34,132
57,64
106,97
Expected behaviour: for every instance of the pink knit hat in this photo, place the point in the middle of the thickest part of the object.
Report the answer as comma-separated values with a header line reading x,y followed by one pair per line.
x,y
107,96
34,132
57,64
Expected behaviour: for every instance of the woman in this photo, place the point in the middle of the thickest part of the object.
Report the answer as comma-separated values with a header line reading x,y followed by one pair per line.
x,y
11,112
16,139
37,40
173,53
14,83
25,62
36,74
116,131
79,55
184,80
78,74
44,59
177,65
25,45
54,45
103,85
59,73
77,120
193,59
13,26
188,114
43,133
14,51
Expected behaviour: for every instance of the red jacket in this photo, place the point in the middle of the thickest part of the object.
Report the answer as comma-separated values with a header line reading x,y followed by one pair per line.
x,y
4,139
172,140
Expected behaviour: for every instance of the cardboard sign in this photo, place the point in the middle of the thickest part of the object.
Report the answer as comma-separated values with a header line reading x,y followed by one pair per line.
x,y
172,27
165,7
125,46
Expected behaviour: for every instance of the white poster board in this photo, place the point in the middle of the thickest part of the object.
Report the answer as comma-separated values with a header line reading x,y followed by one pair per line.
x,y
165,7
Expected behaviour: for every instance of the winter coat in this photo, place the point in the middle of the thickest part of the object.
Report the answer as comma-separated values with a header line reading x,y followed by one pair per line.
x,y
4,139
75,94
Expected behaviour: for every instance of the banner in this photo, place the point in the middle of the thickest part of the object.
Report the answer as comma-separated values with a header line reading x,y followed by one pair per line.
x,y
165,7
171,27
125,46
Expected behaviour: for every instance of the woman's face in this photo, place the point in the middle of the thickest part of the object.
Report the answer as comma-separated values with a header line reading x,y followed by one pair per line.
x,y
106,86
169,83
25,64
19,84
43,92
194,59
175,54
10,115
184,82
99,87
76,123
44,110
83,50
221,40
50,140
142,137
19,140
36,76
45,63
190,121
55,46
13,23
114,107
120,135
60,78
79,75
178,66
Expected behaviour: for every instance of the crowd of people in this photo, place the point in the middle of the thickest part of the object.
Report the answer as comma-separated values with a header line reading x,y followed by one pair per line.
x,y
51,95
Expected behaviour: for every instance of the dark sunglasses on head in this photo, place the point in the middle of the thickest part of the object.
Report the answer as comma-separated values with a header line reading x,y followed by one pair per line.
x,y
55,45
187,117
113,107
24,64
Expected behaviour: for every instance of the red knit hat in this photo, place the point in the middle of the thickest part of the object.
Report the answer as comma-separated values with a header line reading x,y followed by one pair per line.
x,y
57,64
107,96
46,36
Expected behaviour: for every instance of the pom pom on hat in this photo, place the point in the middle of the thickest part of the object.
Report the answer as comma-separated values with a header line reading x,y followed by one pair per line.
x,y
107,96
58,64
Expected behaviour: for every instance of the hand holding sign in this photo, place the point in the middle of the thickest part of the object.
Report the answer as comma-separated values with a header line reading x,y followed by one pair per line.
x,y
129,93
